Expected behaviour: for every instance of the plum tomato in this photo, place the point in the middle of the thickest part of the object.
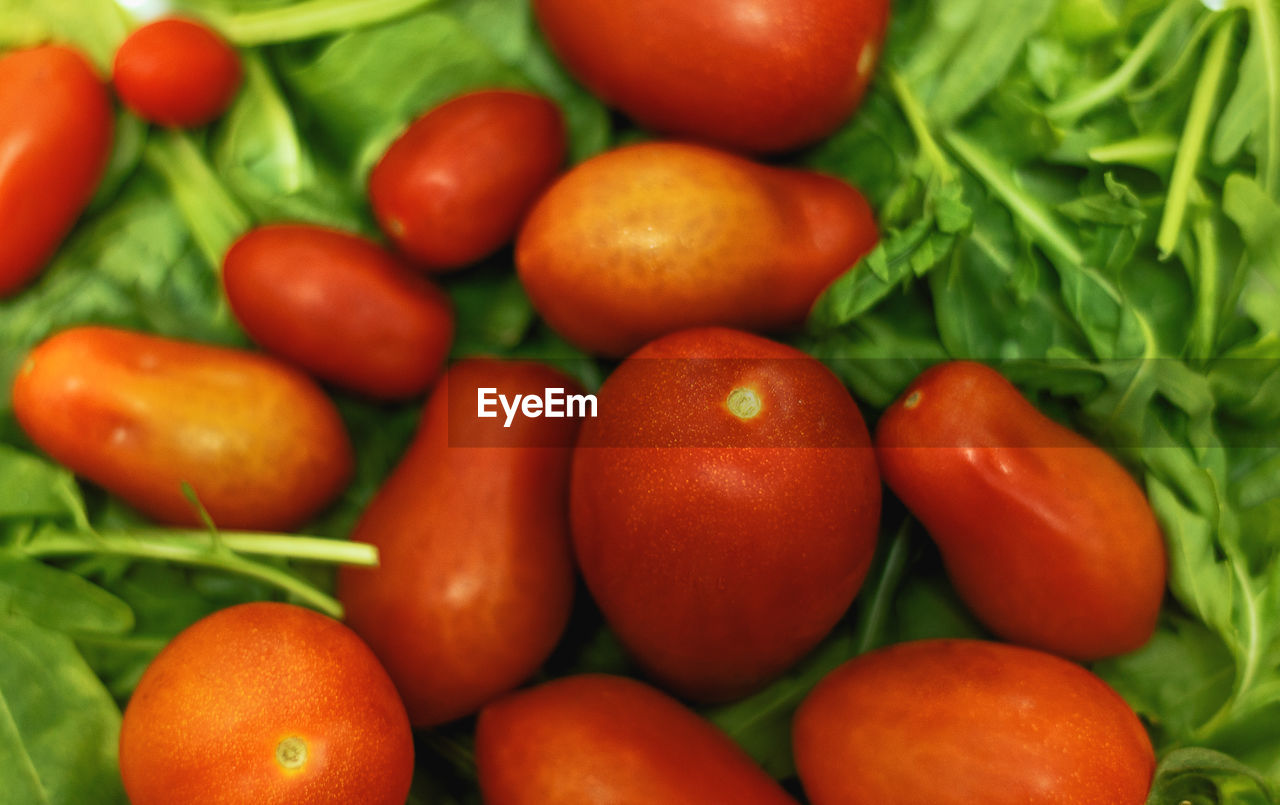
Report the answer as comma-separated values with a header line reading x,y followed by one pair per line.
x,y
177,72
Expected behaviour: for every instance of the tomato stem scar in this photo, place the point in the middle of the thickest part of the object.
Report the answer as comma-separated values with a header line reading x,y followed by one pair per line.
x,y
913,400
744,402
291,752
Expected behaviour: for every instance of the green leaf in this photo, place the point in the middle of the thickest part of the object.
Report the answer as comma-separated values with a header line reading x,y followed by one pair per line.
x,y
60,600
32,487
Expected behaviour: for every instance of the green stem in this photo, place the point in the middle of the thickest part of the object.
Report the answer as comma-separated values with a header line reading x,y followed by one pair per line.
x,y
914,112
1194,134
1204,325
1153,151
1266,24
875,613
213,216
310,19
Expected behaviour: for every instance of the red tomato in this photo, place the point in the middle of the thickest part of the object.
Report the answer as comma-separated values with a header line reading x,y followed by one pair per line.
x,y
753,75
266,704
594,739
455,186
259,443
654,238
724,508
340,307
177,72
476,577
55,140
1044,535
959,722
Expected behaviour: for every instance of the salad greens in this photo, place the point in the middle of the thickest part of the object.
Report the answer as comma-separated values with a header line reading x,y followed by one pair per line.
x,y
1084,192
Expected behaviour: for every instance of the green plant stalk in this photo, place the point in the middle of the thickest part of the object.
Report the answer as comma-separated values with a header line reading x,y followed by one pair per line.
x,y
1266,24
916,118
214,217
1204,324
1154,151
310,19
872,617
1194,134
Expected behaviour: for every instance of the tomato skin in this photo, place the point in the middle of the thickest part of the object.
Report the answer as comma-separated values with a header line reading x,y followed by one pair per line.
x,y
722,549
340,307
455,185
259,443
584,740
654,238
954,722
206,721
55,134
177,72
751,75
476,578
1046,537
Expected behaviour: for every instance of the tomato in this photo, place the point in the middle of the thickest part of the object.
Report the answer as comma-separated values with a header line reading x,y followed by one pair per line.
x,y
724,507
957,722
592,739
266,704
259,443
340,307
753,75
55,140
654,238
455,186
177,72
1045,536
476,577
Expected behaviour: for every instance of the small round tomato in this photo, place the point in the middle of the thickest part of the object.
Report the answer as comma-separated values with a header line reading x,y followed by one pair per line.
x,y
752,75
594,739
55,140
724,507
177,72
340,307
259,443
959,722
266,704
455,186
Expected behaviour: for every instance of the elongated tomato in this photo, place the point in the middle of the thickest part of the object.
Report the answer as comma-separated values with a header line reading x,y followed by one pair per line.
x,y
258,442
55,139
476,580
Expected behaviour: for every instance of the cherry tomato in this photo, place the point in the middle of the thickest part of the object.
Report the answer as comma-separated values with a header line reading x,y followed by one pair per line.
x,y
752,75
177,72
266,704
476,576
1045,536
958,722
588,740
340,307
724,507
55,140
258,442
654,238
455,186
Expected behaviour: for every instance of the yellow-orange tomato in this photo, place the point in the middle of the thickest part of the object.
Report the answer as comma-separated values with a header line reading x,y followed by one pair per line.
x,y
654,238
266,704
259,443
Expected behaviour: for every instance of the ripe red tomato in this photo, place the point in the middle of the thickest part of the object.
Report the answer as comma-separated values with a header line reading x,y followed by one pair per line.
x,y
177,72
258,442
958,722
654,238
340,307
455,186
476,577
55,139
753,75
588,740
1045,536
266,704
724,508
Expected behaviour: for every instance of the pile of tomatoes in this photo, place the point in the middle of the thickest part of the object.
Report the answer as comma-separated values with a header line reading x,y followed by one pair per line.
x,y
722,507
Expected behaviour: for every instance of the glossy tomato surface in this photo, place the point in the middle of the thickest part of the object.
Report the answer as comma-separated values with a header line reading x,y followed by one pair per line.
x,y
455,186
752,75
957,722
177,72
587,740
1044,535
55,139
650,239
724,508
266,704
476,576
258,442
341,307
